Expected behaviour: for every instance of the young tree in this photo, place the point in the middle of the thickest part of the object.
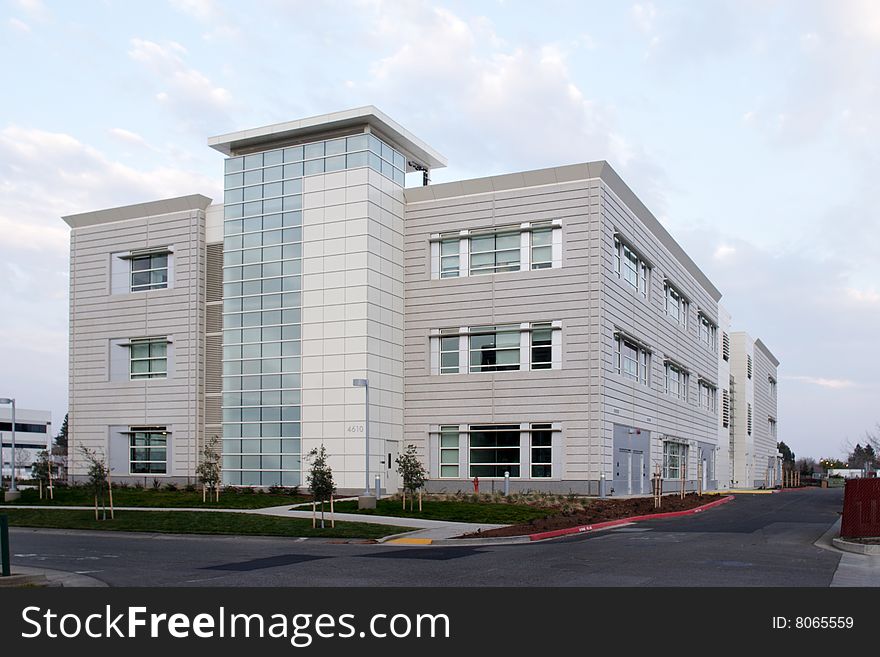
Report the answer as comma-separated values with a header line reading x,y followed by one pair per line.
x,y
806,465
209,470
320,478
40,470
21,460
412,473
97,477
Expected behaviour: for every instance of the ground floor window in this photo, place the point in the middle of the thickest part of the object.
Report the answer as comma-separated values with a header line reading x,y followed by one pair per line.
x,y
148,449
542,452
675,456
449,451
494,450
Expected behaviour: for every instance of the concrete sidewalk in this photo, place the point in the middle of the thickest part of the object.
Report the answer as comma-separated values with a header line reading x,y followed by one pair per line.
x,y
853,569
422,528
56,578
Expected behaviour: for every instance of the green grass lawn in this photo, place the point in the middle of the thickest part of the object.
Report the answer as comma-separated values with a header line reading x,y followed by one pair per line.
x,y
195,522
453,510
149,497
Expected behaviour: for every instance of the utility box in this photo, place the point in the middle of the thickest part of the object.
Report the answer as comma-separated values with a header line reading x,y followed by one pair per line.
x,y
861,509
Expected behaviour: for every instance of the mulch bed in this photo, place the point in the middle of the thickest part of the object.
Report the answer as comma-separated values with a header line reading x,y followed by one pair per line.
x,y
599,511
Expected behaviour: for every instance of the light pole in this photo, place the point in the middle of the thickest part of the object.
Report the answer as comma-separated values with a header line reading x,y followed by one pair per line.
x,y
365,384
5,400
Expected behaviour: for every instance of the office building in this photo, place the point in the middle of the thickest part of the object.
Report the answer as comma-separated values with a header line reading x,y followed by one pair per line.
x,y
541,324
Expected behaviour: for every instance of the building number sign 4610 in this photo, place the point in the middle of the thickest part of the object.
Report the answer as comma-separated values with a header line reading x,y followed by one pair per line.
x,y
355,428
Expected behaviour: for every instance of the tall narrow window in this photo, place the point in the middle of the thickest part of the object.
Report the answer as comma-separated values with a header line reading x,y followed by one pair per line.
x,y
632,361
149,358
708,395
772,383
676,305
494,348
748,366
449,258
496,252
449,354
542,452
449,449
149,272
494,450
708,333
675,457
148,449
542,350
542,248
676,381
631,268
749,418
725,408
725,346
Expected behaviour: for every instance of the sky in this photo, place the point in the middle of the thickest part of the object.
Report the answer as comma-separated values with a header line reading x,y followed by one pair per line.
x,y
750,128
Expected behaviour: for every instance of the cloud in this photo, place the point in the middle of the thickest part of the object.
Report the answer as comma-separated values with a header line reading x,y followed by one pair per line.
x,y
499,107
128,137
835,384
864,296
19,25
210,13
724,251
34,8
185,90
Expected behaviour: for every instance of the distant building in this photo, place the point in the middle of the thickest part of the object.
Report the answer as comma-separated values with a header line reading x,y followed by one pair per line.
x,y
33,434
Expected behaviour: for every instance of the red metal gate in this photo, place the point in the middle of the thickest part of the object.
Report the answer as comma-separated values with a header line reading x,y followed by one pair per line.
x,y
861,508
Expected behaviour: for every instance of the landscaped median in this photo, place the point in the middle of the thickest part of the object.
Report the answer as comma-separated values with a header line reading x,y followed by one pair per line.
x,y
164,497
604,513
196,522
513,510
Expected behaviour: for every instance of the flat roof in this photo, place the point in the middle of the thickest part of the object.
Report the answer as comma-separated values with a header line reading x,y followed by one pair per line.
x,y
148,209
569,173
314,126
760,345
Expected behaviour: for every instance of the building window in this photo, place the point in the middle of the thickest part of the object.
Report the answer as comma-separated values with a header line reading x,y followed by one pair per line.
x,y
772,383
494,348
708,333
449,258
149,272
633,361
725,408
675,457
148,449
542,248
725,346
708,396
748,366
449,451
149,358
493,253
771,426
676,381
449,354
676,305
494,450
749,419
631,268
542,346
542,451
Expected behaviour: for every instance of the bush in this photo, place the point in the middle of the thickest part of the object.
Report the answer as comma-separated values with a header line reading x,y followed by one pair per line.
x,y
171,486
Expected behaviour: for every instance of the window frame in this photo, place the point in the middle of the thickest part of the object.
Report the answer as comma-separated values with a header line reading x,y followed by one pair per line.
x,y
681,381
148,434
541,230
505,329
145,287
676,300
535,328
631,267
540,429
495,267
450,272
448,431
642,370
675,462
706,327
513,467
150,359
456,340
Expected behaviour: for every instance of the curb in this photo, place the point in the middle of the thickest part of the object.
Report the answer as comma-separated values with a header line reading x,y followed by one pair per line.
x,y
541,536
16,580
856,548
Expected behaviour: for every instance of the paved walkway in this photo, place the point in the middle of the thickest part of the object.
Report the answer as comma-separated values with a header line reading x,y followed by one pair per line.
x,y
853,569
423,528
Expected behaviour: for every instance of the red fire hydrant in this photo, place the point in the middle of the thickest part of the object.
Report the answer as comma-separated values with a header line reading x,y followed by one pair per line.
x,y
476,485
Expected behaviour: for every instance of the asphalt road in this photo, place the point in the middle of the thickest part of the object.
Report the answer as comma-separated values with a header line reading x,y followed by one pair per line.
x,y
755,540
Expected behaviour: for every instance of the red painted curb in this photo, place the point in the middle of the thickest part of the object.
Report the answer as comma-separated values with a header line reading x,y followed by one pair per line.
x,y
622,521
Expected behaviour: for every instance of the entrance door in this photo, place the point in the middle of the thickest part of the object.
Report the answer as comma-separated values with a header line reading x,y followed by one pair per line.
x,y
391,478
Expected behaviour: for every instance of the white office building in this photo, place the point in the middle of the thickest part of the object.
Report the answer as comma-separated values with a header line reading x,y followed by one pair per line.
x,y
541,324
33,434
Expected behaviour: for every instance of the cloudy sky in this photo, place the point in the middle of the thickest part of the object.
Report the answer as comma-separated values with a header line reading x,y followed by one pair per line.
x,y
750,128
